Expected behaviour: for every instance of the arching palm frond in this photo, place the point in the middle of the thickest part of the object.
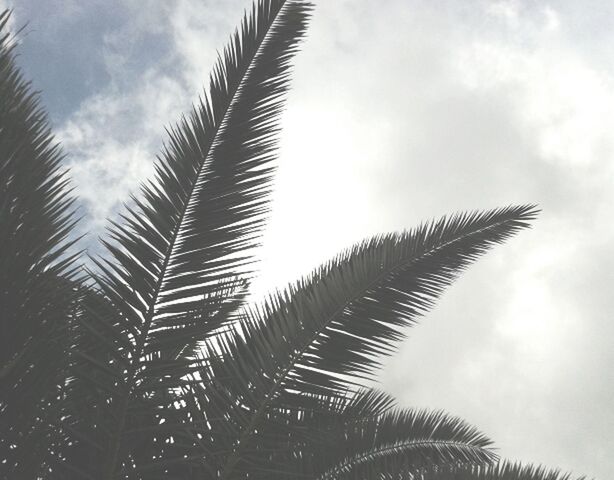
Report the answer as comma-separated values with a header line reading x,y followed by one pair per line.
x,y
349,437
336,437
502,471
401,440
287,444
187,238
37,275
332,326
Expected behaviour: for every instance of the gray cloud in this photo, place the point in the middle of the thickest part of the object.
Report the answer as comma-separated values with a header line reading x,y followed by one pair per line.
x,y
403,111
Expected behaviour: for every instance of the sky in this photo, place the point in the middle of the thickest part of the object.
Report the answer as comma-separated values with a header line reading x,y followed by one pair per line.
x,y
401,111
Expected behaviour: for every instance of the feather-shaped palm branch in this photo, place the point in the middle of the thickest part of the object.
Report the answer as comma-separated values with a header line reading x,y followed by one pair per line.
x,y
321,335
501,471
171,280
348,437
37,275
154,366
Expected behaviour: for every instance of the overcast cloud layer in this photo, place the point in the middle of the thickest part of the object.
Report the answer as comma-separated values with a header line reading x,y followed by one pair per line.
x,y
402,110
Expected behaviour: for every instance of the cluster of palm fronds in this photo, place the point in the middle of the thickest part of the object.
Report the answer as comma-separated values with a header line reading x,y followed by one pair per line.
x,y
152,366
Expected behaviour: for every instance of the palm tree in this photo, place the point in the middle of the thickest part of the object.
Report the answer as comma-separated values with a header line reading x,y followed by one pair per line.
x,y
151,365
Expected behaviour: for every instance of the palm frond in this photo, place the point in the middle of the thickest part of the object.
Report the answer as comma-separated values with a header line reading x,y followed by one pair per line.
x,y
37,273
401,440
327,330
286,444
189,233
348,437
501,471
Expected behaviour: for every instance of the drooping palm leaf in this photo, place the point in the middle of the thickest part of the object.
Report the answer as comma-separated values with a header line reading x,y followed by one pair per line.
x,y
502,471
336,437
37,274
401,440
288,446
334,325
189,233
349,437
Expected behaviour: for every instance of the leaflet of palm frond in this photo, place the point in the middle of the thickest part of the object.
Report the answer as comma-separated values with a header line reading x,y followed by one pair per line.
x,y
331,328
37,272
187,234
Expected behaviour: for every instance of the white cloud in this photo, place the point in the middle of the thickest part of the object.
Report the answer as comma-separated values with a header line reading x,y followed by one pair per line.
x,y
194,26
506,10
114,137
567,101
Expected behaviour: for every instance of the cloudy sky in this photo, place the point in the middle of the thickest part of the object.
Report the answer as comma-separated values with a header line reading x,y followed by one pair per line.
x,y
402,110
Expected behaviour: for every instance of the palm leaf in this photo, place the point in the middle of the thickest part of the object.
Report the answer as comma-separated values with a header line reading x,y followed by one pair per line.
x,y
401,440
348,437
189,233
502,471
37,274
286,446
334,326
